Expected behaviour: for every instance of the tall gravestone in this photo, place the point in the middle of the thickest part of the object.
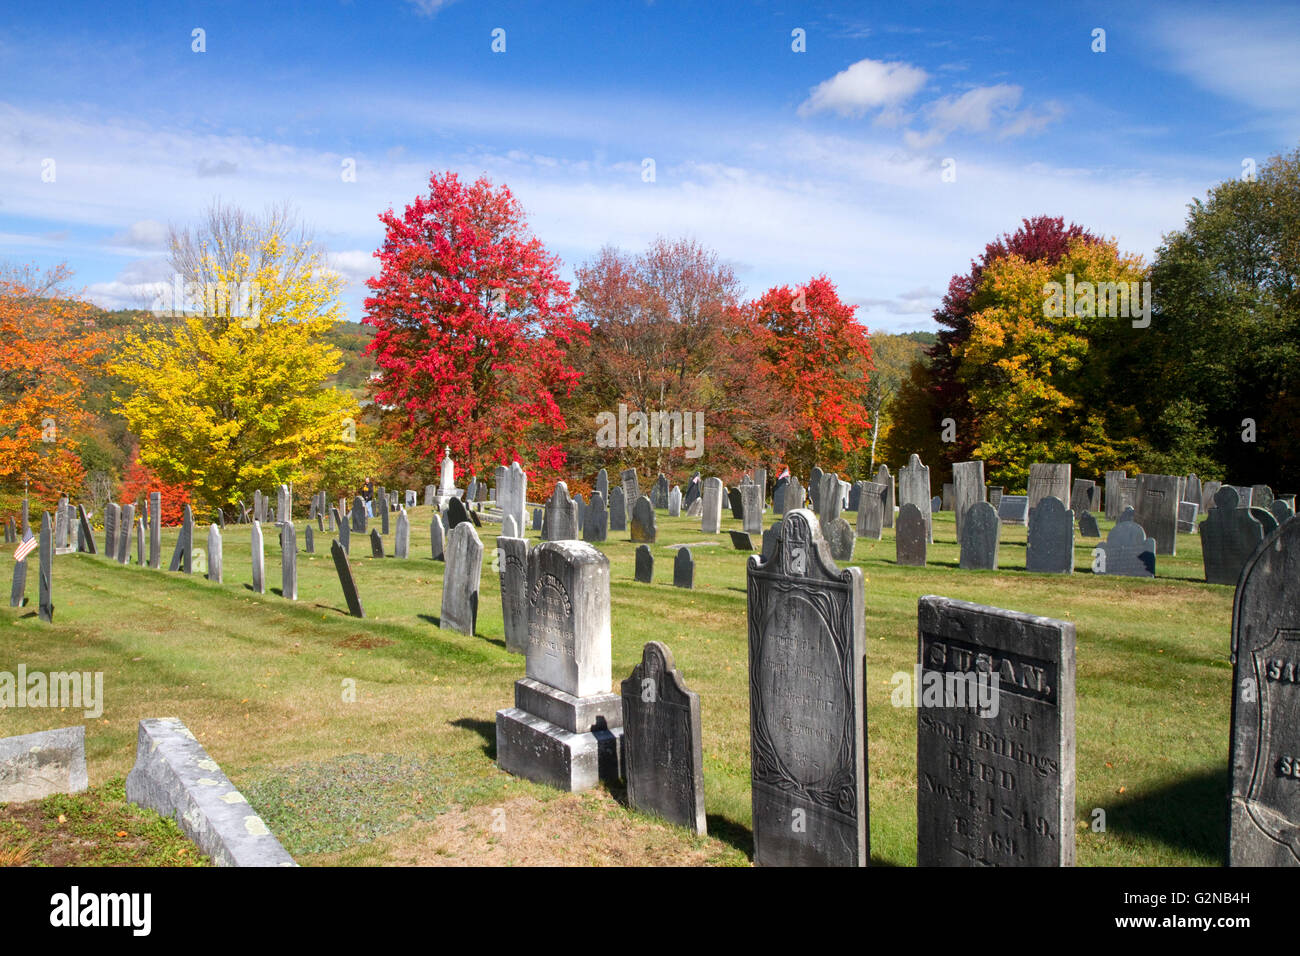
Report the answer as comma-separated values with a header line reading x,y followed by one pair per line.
x,y
967,489
659,492
675,502
359,515
883,477
182,556
814,490
85,533
711,515
345,530
215,554
1229,536
831,502
617,509
995,785
979,538
684,568
382,499
288,562
778,494
751,503
566,727
259,558
437,539
1115,494
561,523
376,544
460,581
457,513
643,528
45,584
871,510
1156,509
595,523
631,487
807,702
1081,496
1128,551
662,747
126,525
402,538
18,593
309,540
794,494
514,592
1050,545
840,538
346,581
737,508
602,483
914,489
909,538
1048,480
112,512
1264,806
693,491
645,564
512,492
1192,489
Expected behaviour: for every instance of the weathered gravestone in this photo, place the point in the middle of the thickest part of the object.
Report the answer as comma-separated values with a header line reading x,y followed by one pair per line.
x,y
1088,526
214,554
139,542
778,494
460,581
508,528
514,592
830,501
1050,545
376,544
1081,500
909,538
696,509
565,729
684,569
794,495
659,492
936,504
995,494
662,748
1208,490
1187,513
45,584
967,489
182,557
871,510
402,537
855,496
631,487
580,512
346,580
995,783
807,702
561,521
382,500
457,513
643,521
751,502
741,541
602,483
1121,492
814,490
883,477
1192,489
1048,480
979,537
86,535
60,527
259,558
430,494
1282,511
595,523
693,491
1261,496
645,564
126,525
914,489
309,545
345,534
675,502
18,593
35,766
1013,509
946,497
840,538
359,515
617,510
1127,551
711,514
1229,536
1156,509
112,512
737,506
288,562
1264,806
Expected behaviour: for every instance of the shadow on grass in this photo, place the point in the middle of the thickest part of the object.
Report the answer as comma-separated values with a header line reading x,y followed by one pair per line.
x,y
487,729
731,833
432,619
1188,814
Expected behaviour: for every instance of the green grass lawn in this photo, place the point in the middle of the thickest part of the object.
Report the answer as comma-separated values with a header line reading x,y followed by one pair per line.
x,y
260,681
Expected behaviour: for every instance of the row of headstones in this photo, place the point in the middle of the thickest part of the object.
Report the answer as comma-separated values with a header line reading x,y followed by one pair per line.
x,y
994,692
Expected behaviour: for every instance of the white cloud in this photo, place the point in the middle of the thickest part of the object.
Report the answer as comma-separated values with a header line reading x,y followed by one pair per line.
x,y
865,86
146,234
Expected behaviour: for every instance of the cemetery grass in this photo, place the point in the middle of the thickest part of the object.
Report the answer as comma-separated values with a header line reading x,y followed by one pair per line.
x,y
406,773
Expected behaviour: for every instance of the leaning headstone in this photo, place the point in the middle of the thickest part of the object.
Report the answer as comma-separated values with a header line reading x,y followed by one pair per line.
x,y
741,541
1048,480
1050,545
288,562
182,557
751,501
840,538
643,529
214,554
871,510
513,577
967,489
645,564
1088,527
979,538
675,502
995,785
1013,509
684,569
1229,536
693,491
259,559
565,729
45,584
1156,509
914,489
460,582
561,522
346,580
909,538
737,506
1187,513
696,508
457,513
1264,811
617,509
807,702
595,523
883,477
1127,551
711,510
662,747
87,537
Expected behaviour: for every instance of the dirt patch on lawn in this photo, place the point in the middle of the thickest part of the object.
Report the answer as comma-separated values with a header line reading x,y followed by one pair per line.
x,y
362,642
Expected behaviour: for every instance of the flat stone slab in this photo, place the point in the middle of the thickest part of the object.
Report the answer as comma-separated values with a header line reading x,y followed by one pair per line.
x,y
34,766
174,776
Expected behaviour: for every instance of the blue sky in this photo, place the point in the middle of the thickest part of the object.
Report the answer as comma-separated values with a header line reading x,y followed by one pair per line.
x,y
788,163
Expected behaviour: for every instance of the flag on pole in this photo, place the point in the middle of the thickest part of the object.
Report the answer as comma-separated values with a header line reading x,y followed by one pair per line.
x,y
785,473
24,549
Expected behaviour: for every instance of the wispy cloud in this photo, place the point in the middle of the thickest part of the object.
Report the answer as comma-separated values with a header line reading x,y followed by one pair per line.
x,y
864,87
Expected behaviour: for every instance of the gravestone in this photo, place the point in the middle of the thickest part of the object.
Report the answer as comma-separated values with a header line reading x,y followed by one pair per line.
x,y
1050,545
1081,496
1048,480
430,493
1088,527
447,474
1126,514
512,492
631,487
1192,489
112,512
675,502
871,510
402,538
457,513
602,483
1209,489
139,542
979,538
376,544
995,787
711,509
310,544
741,541
460,581
751,501
1264,807
995,495
258,558
693,491
359,515
807,702
1282,510
214,554
346,580
936,504
514,592
344,529
437,538
909,538
794,495
18,593
662,747
914,488
1121,492
1127,551
508,529
126,525
840,538
60,527
580,509
1261,496
659,492
471,492
684,569
760,479
778,494
696,509
737,506
1265,518
565,729
855,496
383,513
1245,496
183,555
883,477
595,523
645,564
831,501
617,510
45,583
814,490
288,561
86,536
946,499
643,529
1156,509
967,488
1013,509
1229,536
1187,513
284,504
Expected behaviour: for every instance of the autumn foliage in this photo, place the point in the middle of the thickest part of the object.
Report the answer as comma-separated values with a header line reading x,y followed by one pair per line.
x,y
139,482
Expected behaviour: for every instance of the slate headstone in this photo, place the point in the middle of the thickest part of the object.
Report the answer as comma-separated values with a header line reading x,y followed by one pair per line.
x,y
45,583
309,544
645,564
288,561
182,556
967,489
1050,545
437,538
684,569
617,509
514,592
346,580
460,581
909,537
914,488
214,554
840,538
631,487
595,523
883,477
359,514
1282,510
259,558
1081,496
1127,551
711,513
602,483
1261,496
814,490
1156,509
979,538
402,538
457,513
737,506
376,544
112,512
1229,536
871,510
741,541
1013,509
1088,527
1187,514
751,502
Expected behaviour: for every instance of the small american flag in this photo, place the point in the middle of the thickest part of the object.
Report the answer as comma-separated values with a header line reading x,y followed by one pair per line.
x,y
24,549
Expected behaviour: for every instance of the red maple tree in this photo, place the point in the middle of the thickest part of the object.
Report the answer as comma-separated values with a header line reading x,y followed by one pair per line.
x,y
473,328
138,482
